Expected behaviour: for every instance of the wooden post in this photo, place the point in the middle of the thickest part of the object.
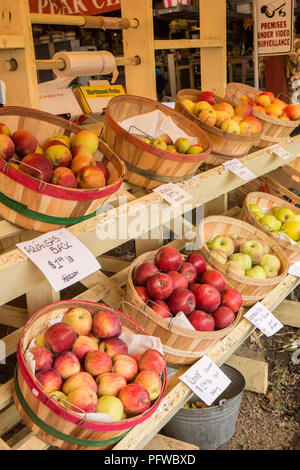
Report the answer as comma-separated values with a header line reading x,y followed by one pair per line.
x,y
213,59
16,43
140,80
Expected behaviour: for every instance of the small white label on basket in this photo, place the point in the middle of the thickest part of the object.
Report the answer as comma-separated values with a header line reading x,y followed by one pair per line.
x,y
173,194
61,257
263,319
239,169
206,380
35,392
294,269
280,152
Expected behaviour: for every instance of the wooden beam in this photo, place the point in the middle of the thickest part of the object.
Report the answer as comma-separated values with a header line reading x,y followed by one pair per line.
x,y
254,372
288,313
160,44
13,316
160,442
9,418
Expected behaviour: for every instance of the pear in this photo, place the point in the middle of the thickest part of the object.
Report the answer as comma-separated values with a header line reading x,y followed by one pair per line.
x,y
292,230
270,223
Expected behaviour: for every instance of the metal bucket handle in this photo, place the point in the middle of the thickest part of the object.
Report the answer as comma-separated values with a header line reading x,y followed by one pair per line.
x,y
47,398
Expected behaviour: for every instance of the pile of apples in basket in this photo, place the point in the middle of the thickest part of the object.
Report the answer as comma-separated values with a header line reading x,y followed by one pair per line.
x,y
83,363
170,286
61,161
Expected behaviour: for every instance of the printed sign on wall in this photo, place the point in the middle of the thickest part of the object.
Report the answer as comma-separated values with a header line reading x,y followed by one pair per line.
x,y
274,26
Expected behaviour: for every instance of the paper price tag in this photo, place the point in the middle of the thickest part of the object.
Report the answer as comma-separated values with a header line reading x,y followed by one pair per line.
x,y
206,380
294,269
263,319
61,257
172,194
280,152
236,167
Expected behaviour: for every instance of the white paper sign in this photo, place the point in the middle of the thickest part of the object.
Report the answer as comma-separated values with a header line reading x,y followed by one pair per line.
x,y
236,167
173,194
294,269
263,319
61,257
281,152
206,380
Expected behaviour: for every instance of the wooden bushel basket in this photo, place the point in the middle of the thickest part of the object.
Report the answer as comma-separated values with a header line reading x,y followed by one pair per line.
x,y
31,203
224,144
181,345
254,289
52,422
275,130
147,166
267,201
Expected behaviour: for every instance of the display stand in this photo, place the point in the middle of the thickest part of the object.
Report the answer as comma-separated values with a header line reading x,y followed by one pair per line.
x,y
20,276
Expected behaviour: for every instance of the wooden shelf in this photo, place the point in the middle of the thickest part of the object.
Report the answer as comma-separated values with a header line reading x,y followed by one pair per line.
x,y
12,42
160,44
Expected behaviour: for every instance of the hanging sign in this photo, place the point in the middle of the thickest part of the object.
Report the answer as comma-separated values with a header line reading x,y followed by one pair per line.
x,y
274,26
74,7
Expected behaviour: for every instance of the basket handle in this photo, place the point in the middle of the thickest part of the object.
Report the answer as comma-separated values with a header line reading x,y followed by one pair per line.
x,y
6,167
47,398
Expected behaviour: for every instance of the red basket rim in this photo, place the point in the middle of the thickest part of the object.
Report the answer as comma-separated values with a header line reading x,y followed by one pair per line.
x,y
60,411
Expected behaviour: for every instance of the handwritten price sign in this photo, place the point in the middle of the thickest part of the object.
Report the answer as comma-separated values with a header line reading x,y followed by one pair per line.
x,y
240,170
263,319
61,257
206,380
173,194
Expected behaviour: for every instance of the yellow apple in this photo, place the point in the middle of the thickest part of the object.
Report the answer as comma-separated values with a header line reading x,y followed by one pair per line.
x,y
284,214
257,272
200,106
231,127
270,223
292,230
111,406
188,104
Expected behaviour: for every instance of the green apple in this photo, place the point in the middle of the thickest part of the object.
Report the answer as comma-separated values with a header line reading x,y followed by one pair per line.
x,y
223,243
237,240
296,218
271,264
255,208
284,215
274,210
160,144
270,223
110,405
182,145
292,230
254,249
220,255
242,259
235,267
257,272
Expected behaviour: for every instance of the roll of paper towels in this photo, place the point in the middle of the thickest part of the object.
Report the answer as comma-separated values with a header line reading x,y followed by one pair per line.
x,y
85,63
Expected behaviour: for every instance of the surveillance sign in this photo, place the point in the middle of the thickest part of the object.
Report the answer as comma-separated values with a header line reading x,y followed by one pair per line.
x,y
274,26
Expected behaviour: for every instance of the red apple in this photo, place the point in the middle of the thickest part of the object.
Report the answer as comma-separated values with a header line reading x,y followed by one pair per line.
x,y
24,142
82,346
66,364
104,169
208,96
153,360
189,271
168,258
144,271
4,129
49,143
106,324
182,300
83,399
142,293
60,337
63,176
135,399
49,379
214,278
201,321
292,111
208,298
179,280
223,317
160,307
198,262
82,379
110,384
160,286
150,381
7,147
126,366
37,165
231,298
113,346
79,319
43,357
97,362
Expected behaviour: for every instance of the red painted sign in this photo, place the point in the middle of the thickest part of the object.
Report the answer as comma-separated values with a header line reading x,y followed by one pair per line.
x,y
74,7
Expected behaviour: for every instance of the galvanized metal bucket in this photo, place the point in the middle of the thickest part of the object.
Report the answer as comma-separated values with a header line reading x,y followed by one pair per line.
x,y
210,428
